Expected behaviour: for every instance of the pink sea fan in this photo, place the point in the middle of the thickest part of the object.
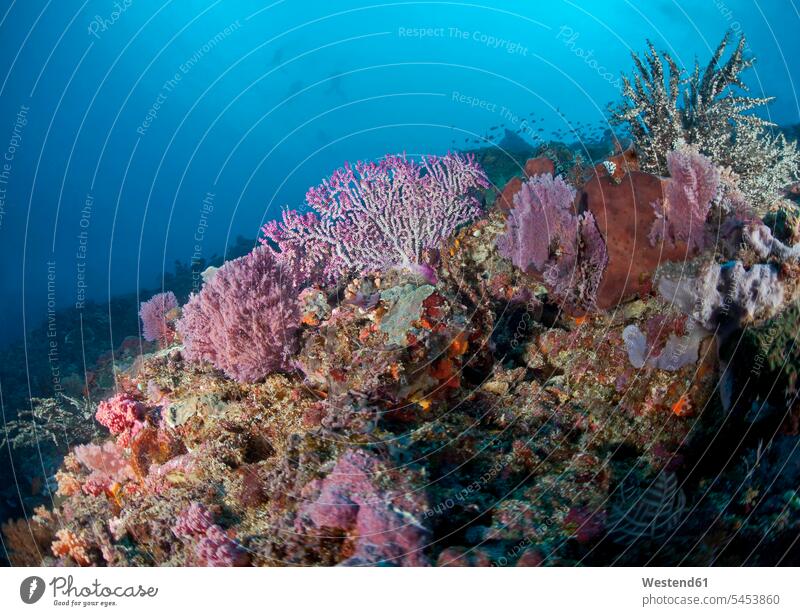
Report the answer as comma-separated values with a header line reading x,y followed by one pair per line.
x,y
107,464
542,228
545,235
107,458
123,416
154,314
379,215
245,318
688,195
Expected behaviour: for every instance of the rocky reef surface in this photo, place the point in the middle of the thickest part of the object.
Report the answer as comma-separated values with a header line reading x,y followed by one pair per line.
x,y
444,363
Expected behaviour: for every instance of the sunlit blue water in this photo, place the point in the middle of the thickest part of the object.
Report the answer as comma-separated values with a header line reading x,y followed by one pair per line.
x,y
135,133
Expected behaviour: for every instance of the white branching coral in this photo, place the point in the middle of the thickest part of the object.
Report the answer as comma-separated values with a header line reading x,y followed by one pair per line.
x,y
710,110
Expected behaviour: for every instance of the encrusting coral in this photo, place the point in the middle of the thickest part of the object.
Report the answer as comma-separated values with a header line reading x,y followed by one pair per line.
x,y
535,383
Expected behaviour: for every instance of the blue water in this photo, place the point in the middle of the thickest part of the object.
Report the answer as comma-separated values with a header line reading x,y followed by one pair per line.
x,y
136,133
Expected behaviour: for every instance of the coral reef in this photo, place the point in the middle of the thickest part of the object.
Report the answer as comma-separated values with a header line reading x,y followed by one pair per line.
x,y
404,376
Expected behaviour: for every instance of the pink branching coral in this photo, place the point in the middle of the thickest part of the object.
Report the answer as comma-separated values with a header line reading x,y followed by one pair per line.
x,y
214,548
545,235
379,215
244,319
155,317
123,415
688,194
217,549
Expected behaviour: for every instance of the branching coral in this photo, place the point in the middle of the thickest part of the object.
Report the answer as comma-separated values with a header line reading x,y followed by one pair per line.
x,y
708,110
546,236
155,314
688,194
244,319
379,215
123,415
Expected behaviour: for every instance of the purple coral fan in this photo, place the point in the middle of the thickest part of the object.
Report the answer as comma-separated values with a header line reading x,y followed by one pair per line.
x,y
245,318
154,314
379,215
688,194
545,235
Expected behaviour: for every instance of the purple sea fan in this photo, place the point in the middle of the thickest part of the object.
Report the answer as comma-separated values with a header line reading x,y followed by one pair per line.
x,y
154,314
245,318
688,194
545,235
379,215
542,229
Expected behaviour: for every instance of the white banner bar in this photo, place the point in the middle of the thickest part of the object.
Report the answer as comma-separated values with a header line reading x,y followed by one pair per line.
x,y
387,591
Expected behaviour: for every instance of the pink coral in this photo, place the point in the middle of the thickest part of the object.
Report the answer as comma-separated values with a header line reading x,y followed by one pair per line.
x,y
383,523
545,235
244,319
107,464
155,317
217,549
123,415
214,548
376,216
688,194
195,520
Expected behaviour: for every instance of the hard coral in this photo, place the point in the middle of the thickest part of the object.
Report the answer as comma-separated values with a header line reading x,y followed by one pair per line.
x,y
376,216
244,319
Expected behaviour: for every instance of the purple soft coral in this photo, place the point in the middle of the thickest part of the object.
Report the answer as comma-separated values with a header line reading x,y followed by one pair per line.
x,y
155,317
688,194
244,319
379,215
214,548
384,524
545,235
